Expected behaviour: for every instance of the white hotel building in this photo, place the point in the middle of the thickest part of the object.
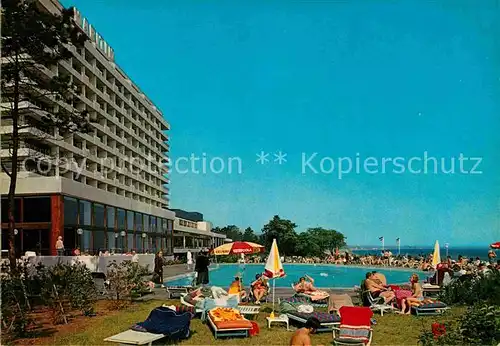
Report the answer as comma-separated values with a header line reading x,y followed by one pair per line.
x,y
103,190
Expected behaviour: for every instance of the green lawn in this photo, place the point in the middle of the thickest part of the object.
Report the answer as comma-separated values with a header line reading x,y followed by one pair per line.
x,y
391,329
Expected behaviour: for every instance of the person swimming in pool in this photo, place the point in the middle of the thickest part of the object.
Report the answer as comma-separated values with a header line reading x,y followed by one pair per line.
x,y
417,296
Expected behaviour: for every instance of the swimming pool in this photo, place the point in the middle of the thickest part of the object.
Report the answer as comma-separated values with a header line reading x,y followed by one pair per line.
x,y
323,275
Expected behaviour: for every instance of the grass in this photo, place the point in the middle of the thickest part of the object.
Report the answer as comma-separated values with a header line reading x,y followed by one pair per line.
x,y
391,329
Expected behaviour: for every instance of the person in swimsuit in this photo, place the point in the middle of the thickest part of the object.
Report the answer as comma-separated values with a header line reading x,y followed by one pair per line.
x,y
379,278
236,287
417,296
259,288
378,290
305,285
302,337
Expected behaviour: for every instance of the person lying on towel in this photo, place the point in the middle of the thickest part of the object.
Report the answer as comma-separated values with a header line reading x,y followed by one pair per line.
x,y
306,286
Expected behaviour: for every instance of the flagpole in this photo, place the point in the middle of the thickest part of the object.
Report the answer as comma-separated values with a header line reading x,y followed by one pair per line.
x,y
383,247
399,246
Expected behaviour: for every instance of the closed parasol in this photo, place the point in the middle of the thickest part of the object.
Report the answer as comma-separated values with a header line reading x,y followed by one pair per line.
x,y
436,256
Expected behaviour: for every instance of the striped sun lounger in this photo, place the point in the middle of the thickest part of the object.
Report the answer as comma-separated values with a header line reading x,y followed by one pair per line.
x,y
299,300
328,321
434,308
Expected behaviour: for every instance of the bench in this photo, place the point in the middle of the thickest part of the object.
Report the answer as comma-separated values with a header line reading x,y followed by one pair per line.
x,y
131,337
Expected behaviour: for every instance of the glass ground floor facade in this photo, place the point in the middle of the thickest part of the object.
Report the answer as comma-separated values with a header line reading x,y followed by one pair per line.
x,y
84,224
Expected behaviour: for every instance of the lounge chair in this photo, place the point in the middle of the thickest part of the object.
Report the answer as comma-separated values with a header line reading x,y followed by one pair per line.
x,y
176,291
132,337
161,323
319,303
239,327
429,308
291,310
265,298
374,303
430,289
184,298
244,309
300,300
336,301
327,321
355,326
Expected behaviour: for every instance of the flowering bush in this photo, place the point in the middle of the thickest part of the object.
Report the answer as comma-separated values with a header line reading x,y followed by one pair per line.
x,y
480,325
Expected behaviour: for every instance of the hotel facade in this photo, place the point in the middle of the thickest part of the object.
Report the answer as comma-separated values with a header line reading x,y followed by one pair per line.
x,y
104,190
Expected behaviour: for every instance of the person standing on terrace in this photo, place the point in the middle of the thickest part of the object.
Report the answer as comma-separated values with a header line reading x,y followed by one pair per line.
x,y
60,246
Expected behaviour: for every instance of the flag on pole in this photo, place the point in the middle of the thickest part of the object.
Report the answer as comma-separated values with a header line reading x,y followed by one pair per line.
x,y
397,240
381,238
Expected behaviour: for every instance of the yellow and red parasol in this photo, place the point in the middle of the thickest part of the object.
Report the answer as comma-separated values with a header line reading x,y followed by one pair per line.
x,y
238,247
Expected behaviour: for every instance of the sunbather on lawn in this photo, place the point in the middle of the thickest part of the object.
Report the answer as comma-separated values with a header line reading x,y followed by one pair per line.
x,y
378,290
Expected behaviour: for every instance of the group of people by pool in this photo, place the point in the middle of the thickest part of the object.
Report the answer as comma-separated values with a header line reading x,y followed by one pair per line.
x,y
376,284
421,263
259,288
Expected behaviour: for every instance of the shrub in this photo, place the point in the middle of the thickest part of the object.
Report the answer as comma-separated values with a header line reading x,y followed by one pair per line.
x,y
480,325
126,280
15,295
227,259
73,284
469,290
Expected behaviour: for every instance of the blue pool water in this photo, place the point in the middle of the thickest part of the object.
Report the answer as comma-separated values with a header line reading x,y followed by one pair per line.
x,y
323,275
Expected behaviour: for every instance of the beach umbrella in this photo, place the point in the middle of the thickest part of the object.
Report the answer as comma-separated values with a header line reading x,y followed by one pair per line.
x,y
274,267
436,256
495,245
238,247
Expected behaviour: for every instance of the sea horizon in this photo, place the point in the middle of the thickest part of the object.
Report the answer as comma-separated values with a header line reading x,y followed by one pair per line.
x,y
453,252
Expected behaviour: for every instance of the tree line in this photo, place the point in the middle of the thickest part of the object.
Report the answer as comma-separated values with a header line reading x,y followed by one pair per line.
x,y
315,241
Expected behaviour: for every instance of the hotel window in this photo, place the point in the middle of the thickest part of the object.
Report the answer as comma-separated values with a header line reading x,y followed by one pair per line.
x,y
17,210
130,241
36,209
99,237
130,220
138,222
70,211
85,213
152,228
138,242
170,226
99,216
112,241
169,246
110,216
120,213
120,243
146,223
86,244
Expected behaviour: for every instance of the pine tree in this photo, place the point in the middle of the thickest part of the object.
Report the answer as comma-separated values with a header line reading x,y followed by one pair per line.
x,y
33,42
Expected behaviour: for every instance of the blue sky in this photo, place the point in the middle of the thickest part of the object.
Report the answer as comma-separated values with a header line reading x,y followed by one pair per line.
x,y
373,78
